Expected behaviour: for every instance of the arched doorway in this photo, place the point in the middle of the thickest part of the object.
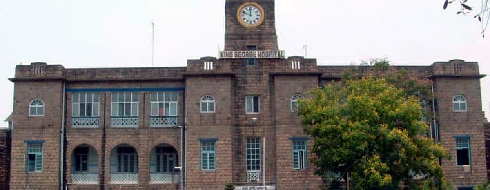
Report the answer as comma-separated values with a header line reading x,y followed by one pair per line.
x,y
163,160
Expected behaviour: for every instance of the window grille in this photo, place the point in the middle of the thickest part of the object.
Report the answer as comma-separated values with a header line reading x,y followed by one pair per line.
x,y
299,154
34,157
459,103
164,103
85,104
253,154
207,104
294,102
36,108
208,155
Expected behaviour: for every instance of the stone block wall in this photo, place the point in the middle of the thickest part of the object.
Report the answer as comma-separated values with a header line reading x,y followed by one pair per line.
x,y
4,158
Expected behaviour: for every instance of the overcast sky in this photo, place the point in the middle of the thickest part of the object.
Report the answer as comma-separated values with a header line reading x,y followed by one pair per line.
x,y
118,33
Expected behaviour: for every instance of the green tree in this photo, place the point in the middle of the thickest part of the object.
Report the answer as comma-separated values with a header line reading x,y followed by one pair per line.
x,y
373,132
485,186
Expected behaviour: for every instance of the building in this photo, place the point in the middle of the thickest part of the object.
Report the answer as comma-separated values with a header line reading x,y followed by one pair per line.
x,y
216,121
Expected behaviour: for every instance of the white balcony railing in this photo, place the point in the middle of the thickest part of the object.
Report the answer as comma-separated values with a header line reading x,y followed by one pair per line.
x,y
85,178
253,176
85,122
124,122
124,178
164,178
164,121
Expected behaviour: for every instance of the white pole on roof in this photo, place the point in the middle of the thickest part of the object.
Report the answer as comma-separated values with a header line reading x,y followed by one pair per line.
x,y
152,43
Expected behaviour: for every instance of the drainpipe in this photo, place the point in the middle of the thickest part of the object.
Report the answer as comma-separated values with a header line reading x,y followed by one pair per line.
x,y
62,139
263,173
436,130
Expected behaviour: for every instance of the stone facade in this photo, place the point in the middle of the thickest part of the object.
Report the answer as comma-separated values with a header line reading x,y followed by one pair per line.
x,y
116,147
4,158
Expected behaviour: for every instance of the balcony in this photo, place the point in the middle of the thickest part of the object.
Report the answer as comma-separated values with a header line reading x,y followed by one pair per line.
x,y
125,122
164,178
253,176
164,121
85,122
124,178
85,178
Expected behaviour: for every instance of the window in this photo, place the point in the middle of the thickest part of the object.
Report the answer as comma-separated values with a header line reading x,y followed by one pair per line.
x,y
208,66
164,103
253,154
463,153
166,159
36,108
85,105
251,62
466,188
294,102
296,65
81,159
459,103
34,157
126,160
207,104
208,155
252,104
124,104
299,154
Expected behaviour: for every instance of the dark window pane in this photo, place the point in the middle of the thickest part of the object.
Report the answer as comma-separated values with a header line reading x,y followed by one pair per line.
x,y
463,156
32,162
256,104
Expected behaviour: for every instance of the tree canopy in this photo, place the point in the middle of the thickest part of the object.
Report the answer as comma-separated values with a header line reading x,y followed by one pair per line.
x,y
372,131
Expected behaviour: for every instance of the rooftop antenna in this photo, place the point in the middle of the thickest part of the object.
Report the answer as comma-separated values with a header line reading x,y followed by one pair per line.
x,y
305,47
152,43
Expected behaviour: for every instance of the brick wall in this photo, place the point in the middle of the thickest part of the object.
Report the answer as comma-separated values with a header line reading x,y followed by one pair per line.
x,y
43,128
4,158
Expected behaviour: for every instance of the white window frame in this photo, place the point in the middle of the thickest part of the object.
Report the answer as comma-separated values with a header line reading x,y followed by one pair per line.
x,y
207,102
89,101
208,65
294,102
252,110
208,155
253,159
35,149
36,105
461,144
458,102
132,101
168,101
300,154
296,65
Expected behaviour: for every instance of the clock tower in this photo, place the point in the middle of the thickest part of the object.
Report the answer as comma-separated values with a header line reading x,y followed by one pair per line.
x,y
250,25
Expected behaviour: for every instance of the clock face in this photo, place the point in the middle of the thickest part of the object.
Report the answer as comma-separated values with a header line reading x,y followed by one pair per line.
x,y
250,15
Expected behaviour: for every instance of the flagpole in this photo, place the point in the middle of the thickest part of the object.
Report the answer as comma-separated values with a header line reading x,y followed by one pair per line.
x,y
152,43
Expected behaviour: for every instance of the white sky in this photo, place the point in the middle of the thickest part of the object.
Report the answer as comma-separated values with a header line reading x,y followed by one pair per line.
x,y
117,33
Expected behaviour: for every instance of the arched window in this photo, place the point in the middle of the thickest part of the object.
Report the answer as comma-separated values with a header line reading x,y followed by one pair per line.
x,y
207,104
294,102
459,103
36,108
